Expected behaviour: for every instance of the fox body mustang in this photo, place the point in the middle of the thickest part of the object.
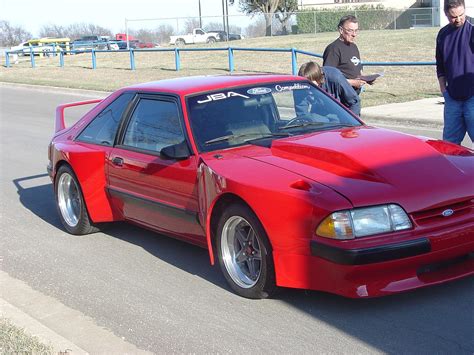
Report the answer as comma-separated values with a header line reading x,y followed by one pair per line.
x,y
282,184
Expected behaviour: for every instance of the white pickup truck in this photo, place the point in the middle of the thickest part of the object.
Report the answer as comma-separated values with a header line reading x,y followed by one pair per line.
x,y
198,36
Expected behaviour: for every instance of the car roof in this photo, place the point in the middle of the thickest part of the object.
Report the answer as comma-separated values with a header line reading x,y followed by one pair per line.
x,y
196,84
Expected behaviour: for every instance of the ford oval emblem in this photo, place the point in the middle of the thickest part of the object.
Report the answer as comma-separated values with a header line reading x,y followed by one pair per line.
x,y
259,91
447,213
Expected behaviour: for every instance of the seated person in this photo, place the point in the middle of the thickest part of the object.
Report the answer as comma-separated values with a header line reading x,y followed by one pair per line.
x,y
330,80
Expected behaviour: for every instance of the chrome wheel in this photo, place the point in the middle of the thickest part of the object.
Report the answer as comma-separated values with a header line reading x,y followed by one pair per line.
x,y
241,252
69,199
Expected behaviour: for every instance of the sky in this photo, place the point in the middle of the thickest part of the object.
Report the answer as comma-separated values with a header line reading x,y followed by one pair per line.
x,y
32,14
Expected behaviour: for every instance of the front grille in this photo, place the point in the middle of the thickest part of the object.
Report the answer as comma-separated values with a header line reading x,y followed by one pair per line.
x,y
436,214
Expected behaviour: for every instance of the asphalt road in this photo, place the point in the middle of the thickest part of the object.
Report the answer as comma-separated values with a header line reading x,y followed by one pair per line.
x,y
162,295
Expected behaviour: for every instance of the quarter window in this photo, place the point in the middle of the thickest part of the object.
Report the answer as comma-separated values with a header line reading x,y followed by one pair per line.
x,y
103,127
154,125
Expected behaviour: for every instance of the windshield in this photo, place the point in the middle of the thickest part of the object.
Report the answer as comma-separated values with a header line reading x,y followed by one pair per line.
x,y
244,115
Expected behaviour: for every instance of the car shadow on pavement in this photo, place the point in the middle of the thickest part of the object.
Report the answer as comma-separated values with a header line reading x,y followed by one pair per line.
x,y
436,319
401,323
187,257
38,197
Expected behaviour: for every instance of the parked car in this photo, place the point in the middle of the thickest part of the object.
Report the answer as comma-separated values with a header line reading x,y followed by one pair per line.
x,y
316,201
112,46
26,48
82,45
120,44
197,36
148,45
87,43
222,36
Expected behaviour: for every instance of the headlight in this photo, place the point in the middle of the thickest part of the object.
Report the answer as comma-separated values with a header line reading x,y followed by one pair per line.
x,y
361,222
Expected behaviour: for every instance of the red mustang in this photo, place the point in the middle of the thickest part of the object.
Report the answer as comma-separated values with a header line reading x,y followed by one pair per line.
x,y
275,178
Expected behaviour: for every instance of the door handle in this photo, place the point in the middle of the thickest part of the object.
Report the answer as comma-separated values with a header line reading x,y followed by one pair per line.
x,y
117,161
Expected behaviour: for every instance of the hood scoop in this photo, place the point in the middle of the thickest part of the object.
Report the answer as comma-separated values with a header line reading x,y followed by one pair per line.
x,y
325,159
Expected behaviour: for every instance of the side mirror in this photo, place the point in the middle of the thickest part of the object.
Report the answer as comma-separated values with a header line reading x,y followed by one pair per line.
x,y
178,151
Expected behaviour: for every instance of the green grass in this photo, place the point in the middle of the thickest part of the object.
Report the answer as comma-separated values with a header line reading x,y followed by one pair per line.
x,y
14,340
399,84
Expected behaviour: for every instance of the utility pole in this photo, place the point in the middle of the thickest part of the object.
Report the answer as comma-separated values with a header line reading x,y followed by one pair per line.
x,y
200,19
227,16
223,15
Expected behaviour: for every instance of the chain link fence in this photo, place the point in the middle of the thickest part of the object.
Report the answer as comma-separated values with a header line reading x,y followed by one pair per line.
x,y
259,25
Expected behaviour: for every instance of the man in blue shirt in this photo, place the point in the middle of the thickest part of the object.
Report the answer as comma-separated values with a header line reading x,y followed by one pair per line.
x,y
455,70
333,82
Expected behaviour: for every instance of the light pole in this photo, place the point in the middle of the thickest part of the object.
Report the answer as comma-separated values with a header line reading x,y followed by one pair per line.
x,y
200,19
227,16
223,15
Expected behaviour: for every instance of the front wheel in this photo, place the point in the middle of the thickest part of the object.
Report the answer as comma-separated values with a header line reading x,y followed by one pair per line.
x,y
244,253
70,203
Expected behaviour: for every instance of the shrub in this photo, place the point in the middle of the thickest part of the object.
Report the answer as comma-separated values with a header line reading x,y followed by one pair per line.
x,y
370,18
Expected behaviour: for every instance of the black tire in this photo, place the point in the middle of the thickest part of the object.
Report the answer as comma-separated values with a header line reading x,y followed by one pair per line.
x,y
70,203
180,42
244,253
211,40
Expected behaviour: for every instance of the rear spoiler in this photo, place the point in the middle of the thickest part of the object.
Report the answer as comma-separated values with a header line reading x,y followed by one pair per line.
x,y
60,123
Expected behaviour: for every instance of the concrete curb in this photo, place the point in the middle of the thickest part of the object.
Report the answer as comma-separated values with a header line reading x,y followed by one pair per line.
x,y
55,323
57,89
401,121
33,327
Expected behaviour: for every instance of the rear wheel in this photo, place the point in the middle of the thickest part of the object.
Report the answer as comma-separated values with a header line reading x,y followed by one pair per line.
x,y
244,253
70,203
180,42
211,40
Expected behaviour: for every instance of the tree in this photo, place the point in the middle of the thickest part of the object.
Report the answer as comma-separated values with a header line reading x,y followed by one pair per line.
x,y
191,24
52,31
267,7
284,12
218,26
143,35
163,33
12,35
214,26
78,30
255,29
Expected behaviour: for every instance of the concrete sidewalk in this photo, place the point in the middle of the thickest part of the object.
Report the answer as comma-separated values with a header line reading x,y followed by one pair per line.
x,y
420,113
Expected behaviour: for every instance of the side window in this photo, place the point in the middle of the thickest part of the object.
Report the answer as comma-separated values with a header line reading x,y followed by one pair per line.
x,y
103,127
199,32
154,125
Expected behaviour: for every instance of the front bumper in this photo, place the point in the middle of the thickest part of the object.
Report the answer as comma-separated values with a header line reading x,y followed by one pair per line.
x,y
377,254
379,270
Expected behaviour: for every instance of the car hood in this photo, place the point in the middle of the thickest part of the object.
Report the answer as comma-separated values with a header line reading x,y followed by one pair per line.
x,y
373,166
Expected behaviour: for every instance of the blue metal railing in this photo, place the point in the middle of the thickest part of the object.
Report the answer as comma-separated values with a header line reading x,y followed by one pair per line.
x,y
177,54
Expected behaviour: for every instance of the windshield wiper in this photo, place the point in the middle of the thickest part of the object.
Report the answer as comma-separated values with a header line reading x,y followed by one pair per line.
x,y
339,125
306,124
303,124
236,136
